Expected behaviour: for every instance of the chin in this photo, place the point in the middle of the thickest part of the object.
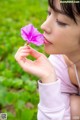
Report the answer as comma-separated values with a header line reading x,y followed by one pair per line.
x,y
49,52
53,52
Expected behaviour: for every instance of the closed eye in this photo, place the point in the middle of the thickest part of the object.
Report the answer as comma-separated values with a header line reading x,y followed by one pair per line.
x,y
61,23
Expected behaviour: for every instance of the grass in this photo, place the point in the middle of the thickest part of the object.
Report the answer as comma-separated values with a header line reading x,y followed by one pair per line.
x,y
18,90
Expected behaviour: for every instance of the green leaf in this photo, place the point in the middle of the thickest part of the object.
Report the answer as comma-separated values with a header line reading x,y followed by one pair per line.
x,y
17,83
25,114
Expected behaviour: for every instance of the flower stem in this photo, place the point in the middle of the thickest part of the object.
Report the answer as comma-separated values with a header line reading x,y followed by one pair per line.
x,y
27,43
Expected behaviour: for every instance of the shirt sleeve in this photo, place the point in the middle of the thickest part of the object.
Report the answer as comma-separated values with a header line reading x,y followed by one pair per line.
x,y
51,106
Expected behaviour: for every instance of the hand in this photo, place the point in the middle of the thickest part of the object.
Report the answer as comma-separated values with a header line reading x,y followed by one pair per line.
x,y
41,67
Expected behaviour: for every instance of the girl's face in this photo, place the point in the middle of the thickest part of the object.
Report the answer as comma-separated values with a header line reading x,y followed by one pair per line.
x,y
62,34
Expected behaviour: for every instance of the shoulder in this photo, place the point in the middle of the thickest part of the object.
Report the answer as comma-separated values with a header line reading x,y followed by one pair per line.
x,y
59,64
62,66
58,60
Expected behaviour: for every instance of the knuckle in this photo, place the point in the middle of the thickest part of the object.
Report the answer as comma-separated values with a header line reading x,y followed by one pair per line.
x,y
21,47
16,57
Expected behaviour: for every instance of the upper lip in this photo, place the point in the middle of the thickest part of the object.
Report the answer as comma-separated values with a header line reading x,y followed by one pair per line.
x,y
46,39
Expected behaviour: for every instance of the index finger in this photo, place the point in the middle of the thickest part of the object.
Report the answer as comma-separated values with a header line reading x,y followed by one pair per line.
x,y
35,53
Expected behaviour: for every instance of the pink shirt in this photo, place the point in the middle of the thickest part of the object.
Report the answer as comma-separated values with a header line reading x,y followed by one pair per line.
x,y
55,97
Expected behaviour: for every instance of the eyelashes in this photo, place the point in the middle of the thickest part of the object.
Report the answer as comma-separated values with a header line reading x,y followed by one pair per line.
x,y
61,23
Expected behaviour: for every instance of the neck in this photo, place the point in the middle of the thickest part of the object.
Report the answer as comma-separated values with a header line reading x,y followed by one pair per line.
x,y
75,58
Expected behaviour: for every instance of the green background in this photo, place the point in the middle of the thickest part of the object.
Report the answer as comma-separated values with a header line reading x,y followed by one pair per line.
x,y
18,90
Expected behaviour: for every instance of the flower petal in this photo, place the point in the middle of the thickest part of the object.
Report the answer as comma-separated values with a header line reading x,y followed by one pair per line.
x,y
32,35
37,40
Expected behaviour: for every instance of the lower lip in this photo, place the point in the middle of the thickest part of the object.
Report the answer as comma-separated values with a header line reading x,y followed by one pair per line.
x,y
46,42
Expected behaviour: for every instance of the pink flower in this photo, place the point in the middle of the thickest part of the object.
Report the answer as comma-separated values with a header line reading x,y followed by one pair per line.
x,y
32,35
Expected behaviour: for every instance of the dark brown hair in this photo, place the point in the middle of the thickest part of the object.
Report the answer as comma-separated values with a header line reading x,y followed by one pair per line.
x,y
69,9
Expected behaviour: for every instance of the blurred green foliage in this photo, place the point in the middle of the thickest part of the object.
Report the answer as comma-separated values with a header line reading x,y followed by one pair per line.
x,y
18,90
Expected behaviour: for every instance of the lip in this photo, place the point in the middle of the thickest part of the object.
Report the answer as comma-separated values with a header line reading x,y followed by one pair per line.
x,y
46,41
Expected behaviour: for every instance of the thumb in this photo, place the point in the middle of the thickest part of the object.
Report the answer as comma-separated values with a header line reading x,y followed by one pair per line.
x,y
35,53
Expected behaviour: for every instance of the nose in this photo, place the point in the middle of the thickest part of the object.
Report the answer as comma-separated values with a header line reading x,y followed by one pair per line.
x,y
46,26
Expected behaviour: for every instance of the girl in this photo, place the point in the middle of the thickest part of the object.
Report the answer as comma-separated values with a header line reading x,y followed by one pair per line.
x,y
59,85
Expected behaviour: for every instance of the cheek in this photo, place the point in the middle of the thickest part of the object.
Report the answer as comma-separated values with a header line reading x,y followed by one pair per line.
x,y
62,40
58,37
58,33
63,35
